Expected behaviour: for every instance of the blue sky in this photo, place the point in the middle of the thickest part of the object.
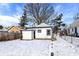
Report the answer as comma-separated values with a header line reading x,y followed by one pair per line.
x,y
11,12
68,10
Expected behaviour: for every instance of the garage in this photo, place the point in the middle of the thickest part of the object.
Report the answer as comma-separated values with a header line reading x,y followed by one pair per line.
x,y
27,34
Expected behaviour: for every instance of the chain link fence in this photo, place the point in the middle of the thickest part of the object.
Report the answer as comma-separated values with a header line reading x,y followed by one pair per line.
x,y
71,39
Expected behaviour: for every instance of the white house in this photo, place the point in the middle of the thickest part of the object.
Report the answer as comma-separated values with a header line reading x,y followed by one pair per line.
x,y
74,28
42,31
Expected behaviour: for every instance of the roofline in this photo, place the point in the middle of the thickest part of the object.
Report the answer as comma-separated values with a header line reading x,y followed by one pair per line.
x,y
39,27
12,27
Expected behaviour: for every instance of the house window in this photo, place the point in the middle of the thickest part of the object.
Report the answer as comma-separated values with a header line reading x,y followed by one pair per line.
x,y
48,32
75,29
39,31
72,29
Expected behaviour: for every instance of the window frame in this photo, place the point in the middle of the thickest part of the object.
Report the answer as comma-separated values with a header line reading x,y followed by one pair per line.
x,y
39,30
48,32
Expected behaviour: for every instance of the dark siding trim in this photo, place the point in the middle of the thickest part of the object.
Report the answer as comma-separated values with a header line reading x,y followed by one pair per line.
x,y
21,34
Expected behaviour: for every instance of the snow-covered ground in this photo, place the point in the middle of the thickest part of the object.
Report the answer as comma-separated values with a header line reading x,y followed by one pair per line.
x,y
38,48
25,48
73,40
63,48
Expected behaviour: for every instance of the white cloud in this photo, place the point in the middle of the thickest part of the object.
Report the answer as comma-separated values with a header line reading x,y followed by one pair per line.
x,y
8,21
8,18
11,20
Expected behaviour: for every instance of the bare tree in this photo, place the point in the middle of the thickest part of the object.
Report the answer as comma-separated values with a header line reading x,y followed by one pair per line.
x,y
76,17
39,12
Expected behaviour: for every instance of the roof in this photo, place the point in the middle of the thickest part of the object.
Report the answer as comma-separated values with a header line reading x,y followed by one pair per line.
x,y
42,25
14,26
75,24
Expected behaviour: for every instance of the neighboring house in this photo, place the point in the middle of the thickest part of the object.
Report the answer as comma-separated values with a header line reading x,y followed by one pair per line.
x,y
74,28
14,29
42,31
65,30
3,30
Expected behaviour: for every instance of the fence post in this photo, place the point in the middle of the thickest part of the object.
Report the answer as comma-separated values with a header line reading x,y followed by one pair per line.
x,y
71,39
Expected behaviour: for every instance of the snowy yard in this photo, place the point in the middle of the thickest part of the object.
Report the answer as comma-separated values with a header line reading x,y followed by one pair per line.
x,y
63,48
38,48
25,48
73,40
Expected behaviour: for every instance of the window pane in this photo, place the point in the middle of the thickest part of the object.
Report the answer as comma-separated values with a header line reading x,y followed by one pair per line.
x,y
48,32
39,31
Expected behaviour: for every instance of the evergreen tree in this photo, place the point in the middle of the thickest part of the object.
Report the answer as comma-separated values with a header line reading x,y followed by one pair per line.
x,y
1,27
57,23
23,19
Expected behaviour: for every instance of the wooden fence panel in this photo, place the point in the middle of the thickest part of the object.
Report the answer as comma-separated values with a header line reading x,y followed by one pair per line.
x,y
4,36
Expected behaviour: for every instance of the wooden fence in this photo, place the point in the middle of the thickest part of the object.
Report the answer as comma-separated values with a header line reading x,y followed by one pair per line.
x,y
4,36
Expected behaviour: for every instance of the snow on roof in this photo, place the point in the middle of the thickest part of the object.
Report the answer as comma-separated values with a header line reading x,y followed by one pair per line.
x,y
43,25
27,26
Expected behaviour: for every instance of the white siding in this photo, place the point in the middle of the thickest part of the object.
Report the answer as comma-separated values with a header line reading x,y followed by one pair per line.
x,y
78,30
27,35
72,31
43,33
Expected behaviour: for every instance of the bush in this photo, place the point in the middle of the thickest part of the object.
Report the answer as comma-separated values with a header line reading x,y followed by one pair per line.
x,y
1,27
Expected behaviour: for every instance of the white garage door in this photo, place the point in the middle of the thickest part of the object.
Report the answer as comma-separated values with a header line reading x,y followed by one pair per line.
x,y
27,35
